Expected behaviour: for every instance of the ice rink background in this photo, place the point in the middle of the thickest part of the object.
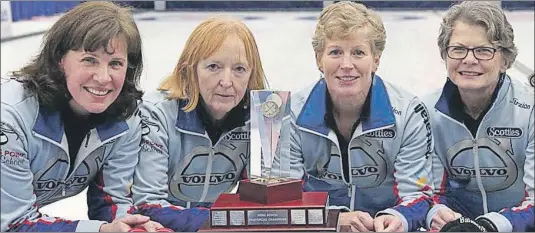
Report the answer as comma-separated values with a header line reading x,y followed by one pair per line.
x,y
411,58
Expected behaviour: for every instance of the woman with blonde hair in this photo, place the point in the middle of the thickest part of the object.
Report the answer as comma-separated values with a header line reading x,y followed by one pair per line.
x,y
365,141
195,144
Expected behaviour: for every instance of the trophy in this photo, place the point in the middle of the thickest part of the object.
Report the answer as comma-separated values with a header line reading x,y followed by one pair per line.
x,y
270,200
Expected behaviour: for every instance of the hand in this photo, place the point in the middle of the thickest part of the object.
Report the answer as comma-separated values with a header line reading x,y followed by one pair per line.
x,y
388,223
150,226
463,224
124,224
444,215
141,229
358,221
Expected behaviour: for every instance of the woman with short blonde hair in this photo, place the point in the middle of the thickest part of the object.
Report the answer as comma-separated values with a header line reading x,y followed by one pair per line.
x,y
363,140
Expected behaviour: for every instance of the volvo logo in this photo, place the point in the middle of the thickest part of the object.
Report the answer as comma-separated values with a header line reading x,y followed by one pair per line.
x,y
496,163
191,174
368,163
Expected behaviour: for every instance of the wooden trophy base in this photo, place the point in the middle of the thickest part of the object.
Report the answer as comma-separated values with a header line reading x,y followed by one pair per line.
x,y
330,226
310,213
270,191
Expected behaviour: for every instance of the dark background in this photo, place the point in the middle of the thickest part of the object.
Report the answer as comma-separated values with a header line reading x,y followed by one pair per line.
x,y
23,10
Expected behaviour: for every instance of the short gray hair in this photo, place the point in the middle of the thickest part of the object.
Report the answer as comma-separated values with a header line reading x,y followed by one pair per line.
x,y
488,15
340,19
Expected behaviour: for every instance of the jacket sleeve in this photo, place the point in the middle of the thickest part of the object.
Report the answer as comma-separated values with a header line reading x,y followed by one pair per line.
x,y
297,166
412,184
109,195
19,210
149,190
521,217
439,177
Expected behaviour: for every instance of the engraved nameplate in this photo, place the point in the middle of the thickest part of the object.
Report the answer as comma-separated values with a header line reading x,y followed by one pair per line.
x,y
298,217
315,216
237,217
219,218
267,217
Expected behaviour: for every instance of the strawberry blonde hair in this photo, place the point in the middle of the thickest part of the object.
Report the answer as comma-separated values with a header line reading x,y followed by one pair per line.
x,y
205,40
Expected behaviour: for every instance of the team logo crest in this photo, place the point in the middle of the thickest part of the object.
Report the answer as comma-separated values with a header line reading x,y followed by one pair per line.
x,y
6,129
146,124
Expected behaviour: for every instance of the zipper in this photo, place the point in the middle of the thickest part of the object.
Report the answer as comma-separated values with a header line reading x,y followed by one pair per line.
x,y
72,163
475,151
209,165
208,173
478,176
63,182
347,183
210,155
351,187
87,138
66,154
353,191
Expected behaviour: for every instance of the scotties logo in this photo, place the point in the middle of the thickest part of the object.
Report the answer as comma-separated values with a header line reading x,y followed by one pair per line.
x,y
504,132
237,136
384,133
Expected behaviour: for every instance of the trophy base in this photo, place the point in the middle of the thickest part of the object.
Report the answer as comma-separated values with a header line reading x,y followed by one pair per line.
x,y
331,226
270,191
229,213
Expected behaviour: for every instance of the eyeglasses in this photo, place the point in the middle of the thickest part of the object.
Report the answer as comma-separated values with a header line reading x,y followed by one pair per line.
x,y
480,53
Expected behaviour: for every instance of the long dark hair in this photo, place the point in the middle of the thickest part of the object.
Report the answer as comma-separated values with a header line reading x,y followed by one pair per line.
x,y
89,26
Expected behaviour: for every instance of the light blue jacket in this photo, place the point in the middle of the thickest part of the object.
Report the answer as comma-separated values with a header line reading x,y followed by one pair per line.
x,y
35,166
177,156
179,166
491,174
389,153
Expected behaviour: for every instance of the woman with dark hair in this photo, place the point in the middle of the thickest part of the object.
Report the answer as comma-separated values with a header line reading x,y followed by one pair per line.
x,y
68,122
